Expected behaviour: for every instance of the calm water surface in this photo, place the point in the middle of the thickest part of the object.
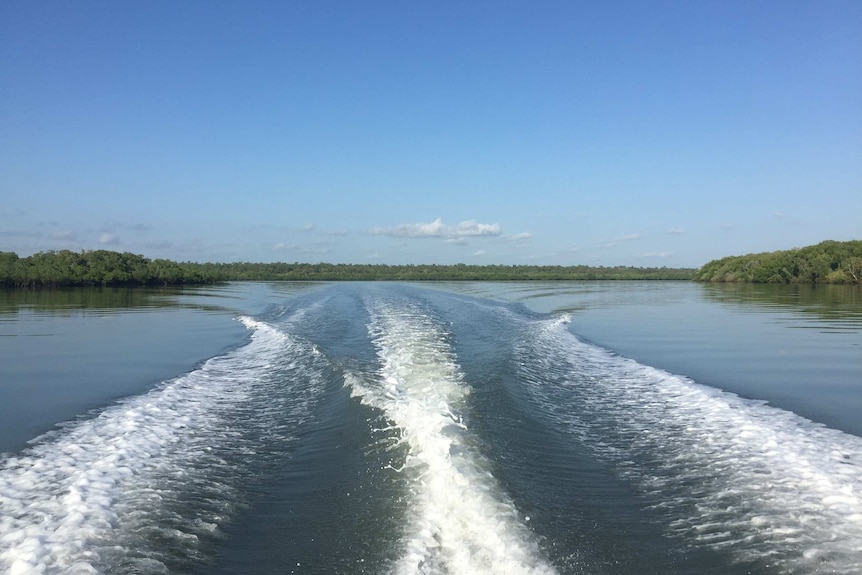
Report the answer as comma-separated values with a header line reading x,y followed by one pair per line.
x,y
567,427
799,347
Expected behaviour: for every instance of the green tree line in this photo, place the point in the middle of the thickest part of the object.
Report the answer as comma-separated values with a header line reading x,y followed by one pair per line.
x,y
108,268
433,272
826,262
97,267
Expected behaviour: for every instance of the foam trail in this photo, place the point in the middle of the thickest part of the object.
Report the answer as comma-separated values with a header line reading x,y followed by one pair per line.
x,y
461,522
138,487
728,473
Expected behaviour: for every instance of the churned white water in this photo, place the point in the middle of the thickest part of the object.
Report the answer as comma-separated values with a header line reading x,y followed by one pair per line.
x,y
144,480
460,521
259,462
732,474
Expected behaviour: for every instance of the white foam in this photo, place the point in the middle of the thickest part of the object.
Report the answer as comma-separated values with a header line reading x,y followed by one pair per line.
x,y
95,493
732,473
461,522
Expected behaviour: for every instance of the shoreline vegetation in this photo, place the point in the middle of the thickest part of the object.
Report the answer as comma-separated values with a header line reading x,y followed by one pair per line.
x,y
826,262
107,268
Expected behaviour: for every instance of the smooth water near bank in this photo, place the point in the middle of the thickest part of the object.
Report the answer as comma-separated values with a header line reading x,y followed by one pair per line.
x,y
626,427
797,346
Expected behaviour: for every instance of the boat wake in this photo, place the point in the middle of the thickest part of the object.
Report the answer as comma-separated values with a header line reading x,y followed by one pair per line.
x,y
143,485
727,473
460,521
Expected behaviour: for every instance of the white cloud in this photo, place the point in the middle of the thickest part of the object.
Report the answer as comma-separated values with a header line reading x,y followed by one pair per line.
x,y
480,253
778,214
657,254
523,236
109,238
676,231
437,229
308,227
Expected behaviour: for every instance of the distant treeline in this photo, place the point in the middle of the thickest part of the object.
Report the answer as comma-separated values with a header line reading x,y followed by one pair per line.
x,y
108,268
96,268
457,272
826,262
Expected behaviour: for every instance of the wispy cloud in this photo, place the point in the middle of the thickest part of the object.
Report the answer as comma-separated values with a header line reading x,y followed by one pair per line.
x,y
480,253
312,248
109,238
159,246
522,237
544,256
309,227
64,234
20,234
437,229
618,240
138,228
656,254
316,250
676,231
192,248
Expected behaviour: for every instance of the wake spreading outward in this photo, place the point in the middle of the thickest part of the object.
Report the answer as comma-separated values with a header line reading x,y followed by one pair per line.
x,y
463,436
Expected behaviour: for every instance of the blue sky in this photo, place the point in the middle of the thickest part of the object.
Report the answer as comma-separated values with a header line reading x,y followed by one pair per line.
x,y
602,133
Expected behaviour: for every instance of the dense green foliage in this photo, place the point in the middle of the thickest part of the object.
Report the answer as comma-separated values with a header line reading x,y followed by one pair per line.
x,y
100,267
457,272
826,262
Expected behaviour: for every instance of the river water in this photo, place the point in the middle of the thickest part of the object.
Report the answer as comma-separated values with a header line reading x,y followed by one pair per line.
x,y
565,427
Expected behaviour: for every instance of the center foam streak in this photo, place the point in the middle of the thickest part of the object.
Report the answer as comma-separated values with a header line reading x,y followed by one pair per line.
x,y
461,522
